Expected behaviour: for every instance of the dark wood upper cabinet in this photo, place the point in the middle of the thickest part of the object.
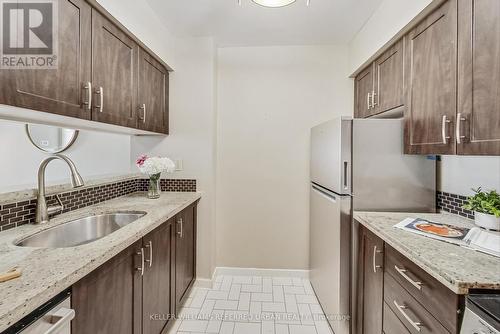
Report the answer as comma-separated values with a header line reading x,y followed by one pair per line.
x,y
114,73
103,74
479,77
370,284
60,90
108,301
157,302
363,93
185,254
431,81
389,83
153,95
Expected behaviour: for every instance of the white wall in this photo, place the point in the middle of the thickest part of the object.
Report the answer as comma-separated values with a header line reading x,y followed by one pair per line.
x,y
457,174
388,19
94,153
268,99
192,135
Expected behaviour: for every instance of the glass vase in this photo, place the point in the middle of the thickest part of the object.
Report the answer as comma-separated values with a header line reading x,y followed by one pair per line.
x,y
154,188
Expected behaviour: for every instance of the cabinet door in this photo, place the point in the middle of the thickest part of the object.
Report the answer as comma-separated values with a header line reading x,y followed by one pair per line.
x,y
431,66
61,90
479,77
389,83
156,282
363,92
108,301
153,94
114,73
371,283
185,265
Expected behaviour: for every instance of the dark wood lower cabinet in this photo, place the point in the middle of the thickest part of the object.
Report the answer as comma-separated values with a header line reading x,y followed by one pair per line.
x,y
185,254
136,291
108,300
157,301
396,296
370,283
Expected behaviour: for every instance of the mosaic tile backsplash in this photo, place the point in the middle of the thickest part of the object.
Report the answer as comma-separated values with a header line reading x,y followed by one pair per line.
x,y
23,212
453,203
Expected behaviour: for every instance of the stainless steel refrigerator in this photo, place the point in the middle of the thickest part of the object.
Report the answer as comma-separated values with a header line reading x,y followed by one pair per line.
x,y
357,164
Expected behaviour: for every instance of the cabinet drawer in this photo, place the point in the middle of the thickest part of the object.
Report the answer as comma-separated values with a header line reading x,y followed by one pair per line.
x,y
434,296
392,325
406,308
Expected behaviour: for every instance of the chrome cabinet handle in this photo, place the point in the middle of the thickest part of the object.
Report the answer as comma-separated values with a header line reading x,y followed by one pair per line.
x,y
143,108
180,232
374,102
88,103
375,252
444,122
63,316
141,268
368,101
402,308
403,272
100,92
458,129
150,247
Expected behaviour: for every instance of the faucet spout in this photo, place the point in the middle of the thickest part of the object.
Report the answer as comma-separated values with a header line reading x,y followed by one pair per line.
x,y
42,211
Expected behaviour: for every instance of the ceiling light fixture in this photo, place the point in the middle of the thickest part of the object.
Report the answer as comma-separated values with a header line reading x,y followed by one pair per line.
x,y
275,3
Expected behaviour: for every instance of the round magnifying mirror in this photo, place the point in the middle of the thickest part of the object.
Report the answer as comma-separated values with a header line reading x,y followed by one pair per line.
x,y
51,139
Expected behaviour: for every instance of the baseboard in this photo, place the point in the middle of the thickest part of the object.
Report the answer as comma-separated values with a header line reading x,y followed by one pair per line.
x,y
204,283
235,271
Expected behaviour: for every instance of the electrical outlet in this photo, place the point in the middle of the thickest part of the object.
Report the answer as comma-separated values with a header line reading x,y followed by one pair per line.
x,y
179,164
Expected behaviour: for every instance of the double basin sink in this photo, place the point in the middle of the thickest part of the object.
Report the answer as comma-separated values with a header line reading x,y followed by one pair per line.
x,y
81,231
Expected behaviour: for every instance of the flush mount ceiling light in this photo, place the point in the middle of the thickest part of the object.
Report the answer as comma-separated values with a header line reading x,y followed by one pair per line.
x,y
275,3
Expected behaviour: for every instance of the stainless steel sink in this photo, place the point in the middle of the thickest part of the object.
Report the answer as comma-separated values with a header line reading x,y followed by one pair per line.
x,y
81,231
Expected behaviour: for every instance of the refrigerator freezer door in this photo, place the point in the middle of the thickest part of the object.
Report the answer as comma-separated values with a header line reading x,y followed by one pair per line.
x,y
331,155
330,255
384,178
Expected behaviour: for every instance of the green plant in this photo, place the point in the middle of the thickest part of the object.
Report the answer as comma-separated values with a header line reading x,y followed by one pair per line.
x,y
484,202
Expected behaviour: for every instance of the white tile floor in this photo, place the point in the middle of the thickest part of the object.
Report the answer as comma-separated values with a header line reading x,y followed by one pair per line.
x,y
253,305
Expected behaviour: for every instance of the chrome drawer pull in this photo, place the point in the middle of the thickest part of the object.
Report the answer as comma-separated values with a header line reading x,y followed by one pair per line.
x,y
375,252
62,317
415,324
368,101
403,272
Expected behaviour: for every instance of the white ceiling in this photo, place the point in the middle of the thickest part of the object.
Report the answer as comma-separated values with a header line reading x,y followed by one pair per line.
x,y
323,22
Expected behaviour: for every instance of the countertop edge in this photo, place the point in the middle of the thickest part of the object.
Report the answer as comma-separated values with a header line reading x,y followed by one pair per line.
x,y
19,312
459,288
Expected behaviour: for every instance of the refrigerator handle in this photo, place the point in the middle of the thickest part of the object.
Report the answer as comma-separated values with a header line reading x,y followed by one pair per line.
x,y
346,175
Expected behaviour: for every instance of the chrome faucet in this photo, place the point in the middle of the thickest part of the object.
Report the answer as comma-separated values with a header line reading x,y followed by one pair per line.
x,y
42,211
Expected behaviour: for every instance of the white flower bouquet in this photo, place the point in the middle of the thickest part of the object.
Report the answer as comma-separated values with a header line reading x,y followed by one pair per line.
x,y
153,167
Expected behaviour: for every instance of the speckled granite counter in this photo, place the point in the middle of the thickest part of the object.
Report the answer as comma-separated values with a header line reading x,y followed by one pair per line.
x,y
458,268
47,272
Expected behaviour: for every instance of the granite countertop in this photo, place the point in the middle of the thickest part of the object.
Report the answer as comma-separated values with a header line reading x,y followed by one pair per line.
x,y
458,268
48,271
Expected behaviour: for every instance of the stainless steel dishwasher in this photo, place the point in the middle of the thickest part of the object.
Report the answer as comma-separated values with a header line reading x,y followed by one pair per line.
x,y
53,317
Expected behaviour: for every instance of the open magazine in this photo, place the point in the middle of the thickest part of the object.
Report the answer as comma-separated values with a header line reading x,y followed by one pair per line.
x,y
474,238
